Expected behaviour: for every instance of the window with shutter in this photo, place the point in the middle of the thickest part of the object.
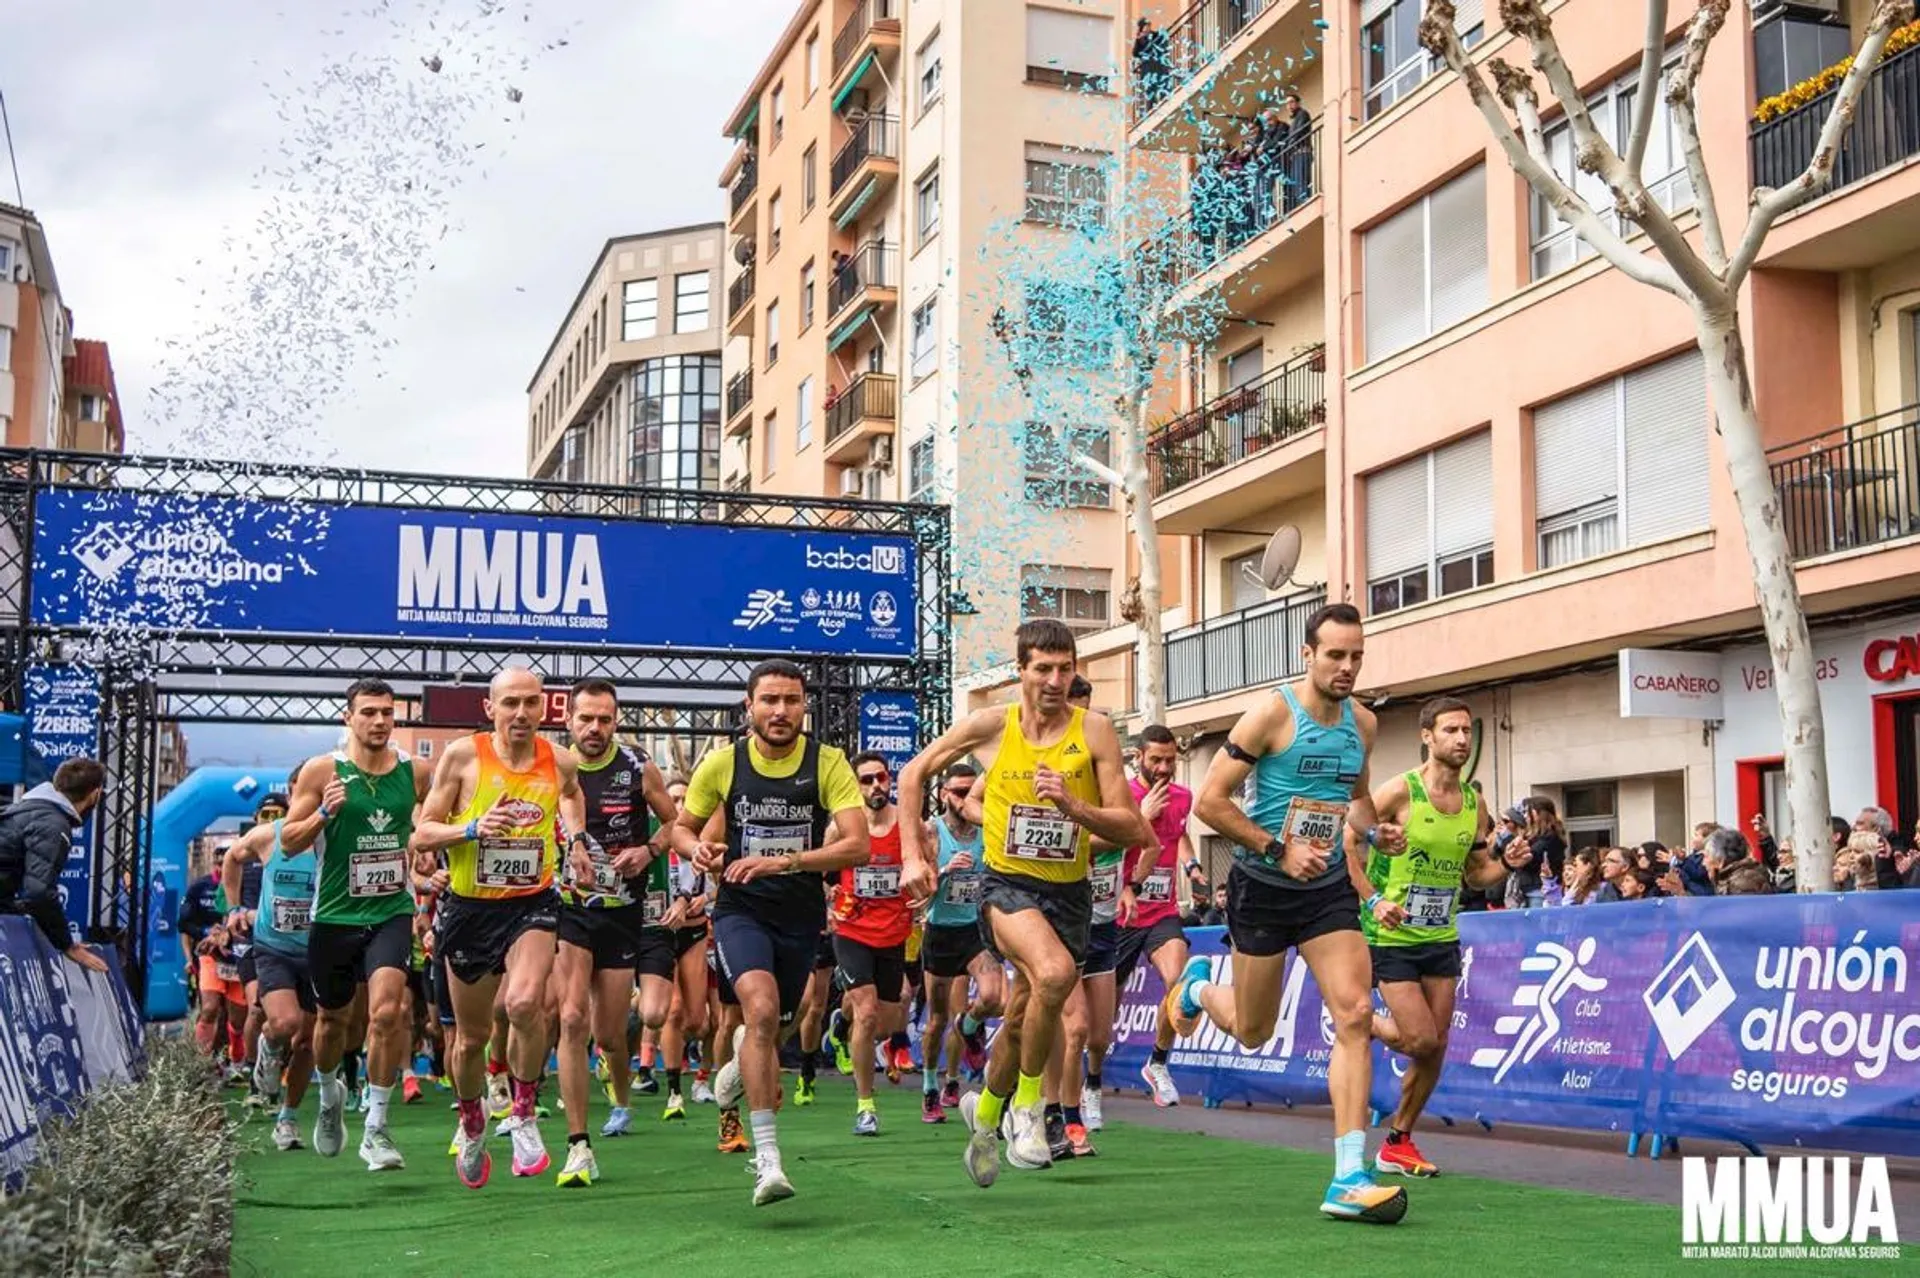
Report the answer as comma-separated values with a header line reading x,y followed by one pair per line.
x,y
1399,535
1665,406
1073,49
1393,256
1457,231
1463,514
1426,266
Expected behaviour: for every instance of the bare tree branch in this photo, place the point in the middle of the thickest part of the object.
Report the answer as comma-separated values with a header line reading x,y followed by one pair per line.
x,y
1438,35
1106,474
1707,21
1770,203
1651,59
1592,152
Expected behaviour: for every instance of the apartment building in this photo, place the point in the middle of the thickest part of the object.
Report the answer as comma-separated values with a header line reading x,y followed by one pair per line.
x,y
628,391
1500,449
888,152
90,419
36,334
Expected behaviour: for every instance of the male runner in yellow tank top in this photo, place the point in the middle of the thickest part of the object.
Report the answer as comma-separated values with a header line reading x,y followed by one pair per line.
x,y
492,809
1054,781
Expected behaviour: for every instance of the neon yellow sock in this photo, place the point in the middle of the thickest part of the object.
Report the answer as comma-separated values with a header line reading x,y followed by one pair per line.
x,y
992,1106
863,1104
1028,1092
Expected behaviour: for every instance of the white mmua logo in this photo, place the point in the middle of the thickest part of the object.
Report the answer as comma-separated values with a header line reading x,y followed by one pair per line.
x,y
507,571
1533,1030
1688,996
1758,1208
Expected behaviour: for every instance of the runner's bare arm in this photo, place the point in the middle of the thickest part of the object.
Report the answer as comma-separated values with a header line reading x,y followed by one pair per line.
x,y
974,807
848,844
1484,869
573,812
972,734
1118,819
232,871
1386,835
305,817
1390,804
1253,736
434,831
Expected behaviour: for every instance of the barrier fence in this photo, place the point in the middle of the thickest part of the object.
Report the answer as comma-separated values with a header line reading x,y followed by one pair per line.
x,y
63,1032
1759,1020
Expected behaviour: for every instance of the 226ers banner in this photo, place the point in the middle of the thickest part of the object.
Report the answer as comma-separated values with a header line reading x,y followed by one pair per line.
x,y
1773,1019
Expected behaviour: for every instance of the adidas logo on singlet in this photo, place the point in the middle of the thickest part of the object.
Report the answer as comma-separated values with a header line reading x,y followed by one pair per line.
x,y
1073,747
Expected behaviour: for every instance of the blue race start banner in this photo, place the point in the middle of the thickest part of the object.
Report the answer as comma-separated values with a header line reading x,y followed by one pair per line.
x,y
890,726
1777,1020
233,565
63,722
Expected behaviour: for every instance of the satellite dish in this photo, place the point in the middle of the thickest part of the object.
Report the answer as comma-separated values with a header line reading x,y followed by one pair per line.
x,y
1282,557
743,251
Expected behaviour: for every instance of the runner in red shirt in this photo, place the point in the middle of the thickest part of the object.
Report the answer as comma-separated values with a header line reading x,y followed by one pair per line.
x,y
871,922
1149,913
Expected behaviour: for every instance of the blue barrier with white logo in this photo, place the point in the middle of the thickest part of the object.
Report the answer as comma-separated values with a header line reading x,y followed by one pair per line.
x,y
1770,1020
209,563
63,722
63,1032
890,727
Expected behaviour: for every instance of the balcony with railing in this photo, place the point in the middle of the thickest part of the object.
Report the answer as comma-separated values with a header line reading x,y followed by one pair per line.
x,y
1208,63
864,167
740,302
1287,404
1250,648
873,25
740,194
739,399
867,407
1232,210
1885,130
1853,487
871,274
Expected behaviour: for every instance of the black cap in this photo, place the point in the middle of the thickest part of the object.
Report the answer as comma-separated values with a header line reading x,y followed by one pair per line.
x,y
272,799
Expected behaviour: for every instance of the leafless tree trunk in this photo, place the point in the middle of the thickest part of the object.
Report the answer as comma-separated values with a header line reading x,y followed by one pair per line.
x,y
1708,281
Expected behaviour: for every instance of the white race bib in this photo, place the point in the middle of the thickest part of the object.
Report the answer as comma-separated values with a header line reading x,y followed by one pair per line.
x,y
654,908
876,882
1106,883
1157,889
379,873
1040,833
1429,906
774,840
509,862
1314,821
226,969
963,889
292,915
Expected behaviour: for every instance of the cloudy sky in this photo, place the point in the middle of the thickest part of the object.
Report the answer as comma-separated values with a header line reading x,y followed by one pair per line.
x,y
223,181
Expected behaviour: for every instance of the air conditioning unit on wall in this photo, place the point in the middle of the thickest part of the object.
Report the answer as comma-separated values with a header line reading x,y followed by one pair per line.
x,y
880,452
852,480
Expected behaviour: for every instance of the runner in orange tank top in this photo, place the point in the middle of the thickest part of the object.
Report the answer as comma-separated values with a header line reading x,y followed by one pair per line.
x,y
871,923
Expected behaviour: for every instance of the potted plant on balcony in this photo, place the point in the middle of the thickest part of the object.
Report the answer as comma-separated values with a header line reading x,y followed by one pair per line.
x,y
1315,354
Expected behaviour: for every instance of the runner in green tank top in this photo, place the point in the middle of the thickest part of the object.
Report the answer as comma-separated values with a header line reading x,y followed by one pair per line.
x,y
1411,904
355,809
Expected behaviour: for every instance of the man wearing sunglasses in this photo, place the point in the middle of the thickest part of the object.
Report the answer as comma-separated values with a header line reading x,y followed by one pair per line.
x,y
871,924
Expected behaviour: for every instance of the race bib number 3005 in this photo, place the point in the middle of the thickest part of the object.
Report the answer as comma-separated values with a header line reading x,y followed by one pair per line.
x,y
1036,833
1314,821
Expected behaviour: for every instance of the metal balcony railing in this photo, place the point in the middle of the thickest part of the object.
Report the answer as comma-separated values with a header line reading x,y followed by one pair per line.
x,y
868,397
854,30
1855,486
873,265
739,393
740,292
745,185
1229,205
1885,131
875,136
1269,410
1253,647
1173,55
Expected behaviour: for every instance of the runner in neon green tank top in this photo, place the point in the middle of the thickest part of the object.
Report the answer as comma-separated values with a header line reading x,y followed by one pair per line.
x,y
1409,915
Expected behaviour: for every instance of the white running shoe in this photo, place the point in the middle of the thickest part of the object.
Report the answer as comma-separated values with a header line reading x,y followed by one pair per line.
x,y
727,1084
770,1183
1028,1149
982,1154
267,1064
286,1134
1090,1108
1159,1081
378,1152
507,1126
702,1093
330,1125
499,1096
581,1170
619,1122
529,1151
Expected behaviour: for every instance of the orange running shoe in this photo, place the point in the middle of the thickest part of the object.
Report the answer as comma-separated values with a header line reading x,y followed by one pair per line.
x,y
1077,1137
733,1138
1402,1157
409,1089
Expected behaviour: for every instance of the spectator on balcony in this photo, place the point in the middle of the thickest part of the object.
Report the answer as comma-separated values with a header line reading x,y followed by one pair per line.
x,y
1152,65
1297,155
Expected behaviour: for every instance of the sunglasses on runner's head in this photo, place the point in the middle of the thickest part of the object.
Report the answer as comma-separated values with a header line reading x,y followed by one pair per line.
x,y
872,778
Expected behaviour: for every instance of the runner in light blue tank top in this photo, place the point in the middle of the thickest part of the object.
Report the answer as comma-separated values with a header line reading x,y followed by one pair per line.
x,y
1305,789
956,903
286,900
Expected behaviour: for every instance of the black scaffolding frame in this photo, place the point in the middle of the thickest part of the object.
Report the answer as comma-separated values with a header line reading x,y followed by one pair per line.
x,y
295,679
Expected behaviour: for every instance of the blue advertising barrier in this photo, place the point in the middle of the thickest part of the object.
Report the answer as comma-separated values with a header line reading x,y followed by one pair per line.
x,y
196,803
182,562
1770,1020
63,1032
63,722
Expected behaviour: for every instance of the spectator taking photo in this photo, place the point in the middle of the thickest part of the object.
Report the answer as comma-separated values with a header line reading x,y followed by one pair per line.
x,y
36,835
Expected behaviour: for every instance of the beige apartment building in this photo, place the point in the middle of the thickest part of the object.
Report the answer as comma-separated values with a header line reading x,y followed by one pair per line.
x,y
628,391
36,335
887,151
1500,449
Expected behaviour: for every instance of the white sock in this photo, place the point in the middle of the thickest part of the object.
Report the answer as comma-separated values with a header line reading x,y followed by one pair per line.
x,y
766,1143
333,1090
1349,1154
377,1105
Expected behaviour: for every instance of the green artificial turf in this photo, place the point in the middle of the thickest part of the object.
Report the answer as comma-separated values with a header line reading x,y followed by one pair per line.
x,y
1153,1202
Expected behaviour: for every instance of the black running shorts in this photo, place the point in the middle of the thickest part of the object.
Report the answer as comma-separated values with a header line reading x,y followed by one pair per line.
x,y
949,951
476,934
618,939
1067,907
344,956
1395,963
747,943
883,967
1137,943
1264,920
279,971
